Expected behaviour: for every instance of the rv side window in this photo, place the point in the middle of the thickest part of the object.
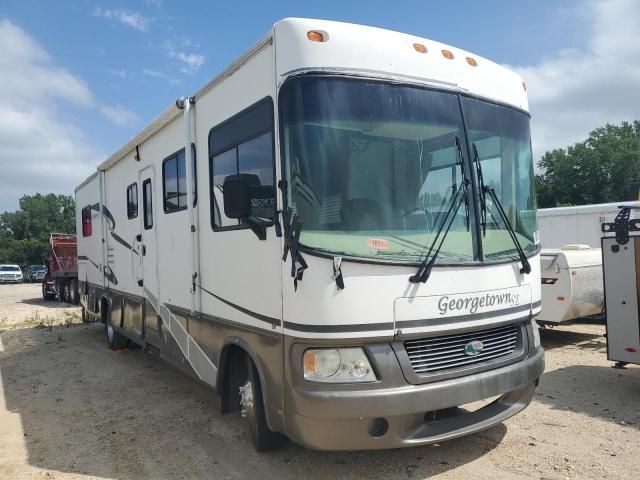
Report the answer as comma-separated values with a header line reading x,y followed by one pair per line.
x,y
244,144
132,201
174,178
86,221
147,204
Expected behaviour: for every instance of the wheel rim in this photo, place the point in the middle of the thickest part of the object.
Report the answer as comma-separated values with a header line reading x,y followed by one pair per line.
x,y
110,333
247,403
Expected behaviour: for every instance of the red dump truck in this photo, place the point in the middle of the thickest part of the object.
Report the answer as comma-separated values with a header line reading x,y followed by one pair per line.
x,y
61,280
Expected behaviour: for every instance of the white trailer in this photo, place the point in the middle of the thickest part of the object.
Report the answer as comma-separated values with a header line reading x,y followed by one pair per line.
x,y
571,283
576,225
337,233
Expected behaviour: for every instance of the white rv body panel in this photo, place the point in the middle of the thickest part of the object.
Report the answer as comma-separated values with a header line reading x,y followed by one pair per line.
x,y
240,294
251,276
386,53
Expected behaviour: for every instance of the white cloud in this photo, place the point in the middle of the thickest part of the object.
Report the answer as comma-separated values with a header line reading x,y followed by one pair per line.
x,y
191,61
573,91
119,73
125,17
154,3
153,73
157,74
119,115
40,149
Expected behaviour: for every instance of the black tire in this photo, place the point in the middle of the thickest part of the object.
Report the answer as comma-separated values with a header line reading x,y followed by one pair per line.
x,y
74,295
60,291
252,408
67,292
115,340
45,295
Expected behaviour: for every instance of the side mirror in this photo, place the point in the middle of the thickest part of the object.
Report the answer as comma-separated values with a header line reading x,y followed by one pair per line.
x,y
236,193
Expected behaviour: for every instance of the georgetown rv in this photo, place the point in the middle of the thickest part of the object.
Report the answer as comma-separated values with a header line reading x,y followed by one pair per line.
x,y
337,233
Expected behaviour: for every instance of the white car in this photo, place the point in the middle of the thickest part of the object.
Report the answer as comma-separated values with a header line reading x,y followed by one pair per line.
x,y
10,274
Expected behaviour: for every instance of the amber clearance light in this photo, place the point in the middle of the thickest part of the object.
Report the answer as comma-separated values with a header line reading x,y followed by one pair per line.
x,y
315,36
418,47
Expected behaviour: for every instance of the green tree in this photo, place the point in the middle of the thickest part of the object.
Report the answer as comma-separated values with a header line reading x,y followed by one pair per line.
x,y
598,170
24,234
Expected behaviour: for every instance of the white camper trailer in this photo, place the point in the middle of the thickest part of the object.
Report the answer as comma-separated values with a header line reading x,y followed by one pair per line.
x,y
571,283
337,233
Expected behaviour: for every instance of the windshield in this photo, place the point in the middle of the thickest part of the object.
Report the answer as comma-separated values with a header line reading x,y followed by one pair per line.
x,y
370,169
501,136
9,268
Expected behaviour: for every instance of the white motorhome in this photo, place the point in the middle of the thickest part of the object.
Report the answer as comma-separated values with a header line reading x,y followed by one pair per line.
x,y
274,235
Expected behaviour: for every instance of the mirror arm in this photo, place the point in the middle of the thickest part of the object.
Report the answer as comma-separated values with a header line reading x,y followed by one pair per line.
x,y
259,229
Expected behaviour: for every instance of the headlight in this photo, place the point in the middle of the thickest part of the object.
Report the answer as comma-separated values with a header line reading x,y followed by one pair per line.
x,y
337,365
536,334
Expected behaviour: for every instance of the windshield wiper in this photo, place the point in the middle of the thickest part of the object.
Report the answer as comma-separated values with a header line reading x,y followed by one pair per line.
x,y
458,197
484,190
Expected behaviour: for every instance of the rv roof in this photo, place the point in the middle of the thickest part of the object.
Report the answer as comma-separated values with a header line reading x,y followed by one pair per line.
x,y
368,50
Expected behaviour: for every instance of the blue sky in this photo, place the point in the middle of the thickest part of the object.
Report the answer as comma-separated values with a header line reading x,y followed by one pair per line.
x,y
108,68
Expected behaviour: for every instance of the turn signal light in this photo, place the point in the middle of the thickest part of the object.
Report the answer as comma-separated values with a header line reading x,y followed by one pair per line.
x,y
447,54
560,298
315,36
472,62
420,48
630,350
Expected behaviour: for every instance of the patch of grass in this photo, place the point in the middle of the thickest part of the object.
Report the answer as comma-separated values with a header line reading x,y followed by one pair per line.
x,y
67,319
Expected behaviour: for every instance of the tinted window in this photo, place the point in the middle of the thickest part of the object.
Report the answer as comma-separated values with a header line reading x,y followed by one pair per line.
x,y
132,201
244,145
86,221
174,174
147,204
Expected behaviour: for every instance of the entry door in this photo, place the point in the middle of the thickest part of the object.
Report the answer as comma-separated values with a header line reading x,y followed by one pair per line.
x,y
148,249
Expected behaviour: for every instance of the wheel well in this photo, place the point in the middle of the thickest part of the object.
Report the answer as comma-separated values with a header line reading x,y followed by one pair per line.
x,y
234,373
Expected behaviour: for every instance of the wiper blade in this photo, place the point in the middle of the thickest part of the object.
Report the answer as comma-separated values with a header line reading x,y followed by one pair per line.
x,y
458,197
465,183
486,190
482,190
424,270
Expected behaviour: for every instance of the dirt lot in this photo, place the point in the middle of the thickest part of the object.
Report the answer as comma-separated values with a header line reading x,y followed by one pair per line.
x,y
70,408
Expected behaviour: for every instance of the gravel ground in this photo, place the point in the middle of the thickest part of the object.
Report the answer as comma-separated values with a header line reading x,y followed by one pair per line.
x,y
71,409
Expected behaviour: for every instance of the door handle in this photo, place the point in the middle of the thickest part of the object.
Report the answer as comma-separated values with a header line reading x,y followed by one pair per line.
x,y
138,238
144,250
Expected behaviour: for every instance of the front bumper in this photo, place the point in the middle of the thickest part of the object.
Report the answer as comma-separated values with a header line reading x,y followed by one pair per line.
x,y
342,420
11,280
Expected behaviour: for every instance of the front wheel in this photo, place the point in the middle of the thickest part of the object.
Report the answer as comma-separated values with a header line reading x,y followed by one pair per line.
x,y
252,408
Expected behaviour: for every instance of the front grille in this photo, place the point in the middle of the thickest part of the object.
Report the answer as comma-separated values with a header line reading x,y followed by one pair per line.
x,y
447,352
